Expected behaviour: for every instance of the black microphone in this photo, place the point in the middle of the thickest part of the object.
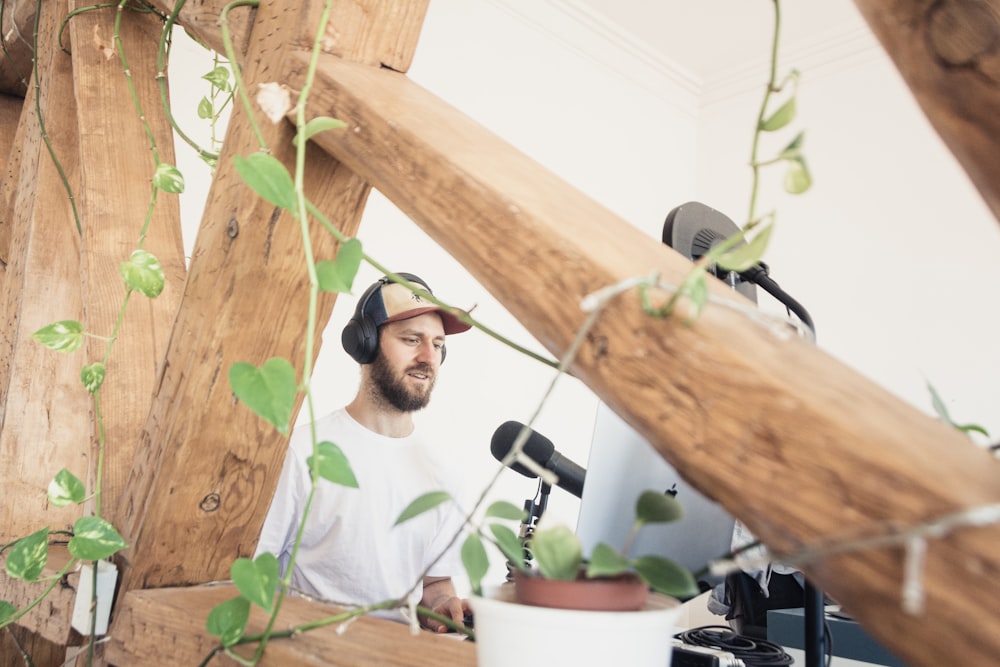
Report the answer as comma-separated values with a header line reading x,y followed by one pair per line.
x,y
541,450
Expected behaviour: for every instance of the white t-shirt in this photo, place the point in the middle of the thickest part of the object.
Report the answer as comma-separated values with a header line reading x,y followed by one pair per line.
x,y
351,553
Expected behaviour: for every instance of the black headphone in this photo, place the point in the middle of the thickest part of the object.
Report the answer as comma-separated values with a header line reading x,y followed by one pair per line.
x,y
360,335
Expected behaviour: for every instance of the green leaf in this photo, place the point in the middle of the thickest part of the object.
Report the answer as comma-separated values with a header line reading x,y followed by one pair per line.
x,y
666,576
605,561
257,579
268,178
338,275
744,256
169,178
510,545
317,125
94,539
92,376
697,292
332,465
424,503
942,412
558,552
66,488
501,509
657,507
205,109
27,557
475,560
219,78
269,390
780,118
794,148
62,336
7,610
797,178
228,620
143,273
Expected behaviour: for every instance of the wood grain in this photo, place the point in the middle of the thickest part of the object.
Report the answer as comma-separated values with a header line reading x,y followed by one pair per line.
x,y
786,438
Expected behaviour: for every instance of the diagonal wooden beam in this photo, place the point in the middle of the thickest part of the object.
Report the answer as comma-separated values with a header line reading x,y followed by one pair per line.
x,y
789,440
206,468
118,214
947,54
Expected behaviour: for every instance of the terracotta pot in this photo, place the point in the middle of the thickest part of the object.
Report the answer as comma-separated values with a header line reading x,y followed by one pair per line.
x,y
625,592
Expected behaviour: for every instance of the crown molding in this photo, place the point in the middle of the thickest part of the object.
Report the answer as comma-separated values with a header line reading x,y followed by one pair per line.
x,y
609,46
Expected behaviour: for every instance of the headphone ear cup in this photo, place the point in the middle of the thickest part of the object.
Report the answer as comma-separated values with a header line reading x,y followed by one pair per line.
x,y
360,339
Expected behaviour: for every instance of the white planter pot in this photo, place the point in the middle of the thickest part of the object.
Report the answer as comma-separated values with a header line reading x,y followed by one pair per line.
x,y
510,634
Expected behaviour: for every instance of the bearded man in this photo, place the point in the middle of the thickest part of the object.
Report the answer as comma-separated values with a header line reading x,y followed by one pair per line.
x,y
351,552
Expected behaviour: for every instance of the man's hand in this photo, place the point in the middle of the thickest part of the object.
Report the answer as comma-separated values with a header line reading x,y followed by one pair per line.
x,y
439,596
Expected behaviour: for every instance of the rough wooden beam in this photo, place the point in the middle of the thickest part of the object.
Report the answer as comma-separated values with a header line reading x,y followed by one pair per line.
x,y
44,412
11,138
17,26
170,623
51,620
789,440
372,32
949,55
206,468
114,203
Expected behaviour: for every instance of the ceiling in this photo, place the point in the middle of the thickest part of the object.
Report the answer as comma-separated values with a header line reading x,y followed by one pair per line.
x,y
709,37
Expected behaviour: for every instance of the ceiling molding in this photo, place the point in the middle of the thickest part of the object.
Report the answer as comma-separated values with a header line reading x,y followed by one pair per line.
x,y
830,54
607,45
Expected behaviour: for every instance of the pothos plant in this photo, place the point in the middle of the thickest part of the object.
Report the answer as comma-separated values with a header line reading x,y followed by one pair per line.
x,y
557,553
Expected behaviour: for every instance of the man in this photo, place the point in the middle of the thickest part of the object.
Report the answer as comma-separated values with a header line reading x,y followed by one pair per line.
x,y
351,553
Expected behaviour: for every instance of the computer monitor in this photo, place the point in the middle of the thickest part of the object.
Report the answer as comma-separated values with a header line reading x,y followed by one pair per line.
x,y
621,466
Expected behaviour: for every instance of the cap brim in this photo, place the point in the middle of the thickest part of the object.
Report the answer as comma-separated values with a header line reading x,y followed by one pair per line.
x,y
452,325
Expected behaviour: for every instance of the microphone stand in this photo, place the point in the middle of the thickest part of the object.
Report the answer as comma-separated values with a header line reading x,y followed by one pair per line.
x,y
534,508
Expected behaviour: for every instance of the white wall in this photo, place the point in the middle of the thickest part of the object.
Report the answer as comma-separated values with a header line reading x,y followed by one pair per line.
x,y
890,252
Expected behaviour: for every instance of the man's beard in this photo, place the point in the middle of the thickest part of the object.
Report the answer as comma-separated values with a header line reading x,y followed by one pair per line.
x,y
393,389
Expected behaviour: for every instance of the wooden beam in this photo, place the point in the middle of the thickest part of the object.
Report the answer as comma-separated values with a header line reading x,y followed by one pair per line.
x,y
155,625
789,440
205,471
17,27
44,409
11,139
118,214
947,54
51,620
372,32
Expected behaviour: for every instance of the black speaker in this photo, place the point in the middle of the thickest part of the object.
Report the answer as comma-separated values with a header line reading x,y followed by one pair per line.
x,y
360,335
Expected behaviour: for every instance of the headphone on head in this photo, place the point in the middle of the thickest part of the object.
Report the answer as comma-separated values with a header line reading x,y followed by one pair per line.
x,y
360,335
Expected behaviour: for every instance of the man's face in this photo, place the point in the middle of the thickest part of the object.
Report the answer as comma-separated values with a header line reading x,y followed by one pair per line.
x,y
409,357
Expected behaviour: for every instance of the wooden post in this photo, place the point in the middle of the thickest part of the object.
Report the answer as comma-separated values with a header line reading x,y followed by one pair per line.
x,y
206,469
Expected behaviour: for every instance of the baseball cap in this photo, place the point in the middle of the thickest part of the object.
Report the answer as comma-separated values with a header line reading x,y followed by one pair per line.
x,y
394,302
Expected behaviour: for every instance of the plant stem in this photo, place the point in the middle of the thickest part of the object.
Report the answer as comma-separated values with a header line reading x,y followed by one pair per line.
x,y
754,164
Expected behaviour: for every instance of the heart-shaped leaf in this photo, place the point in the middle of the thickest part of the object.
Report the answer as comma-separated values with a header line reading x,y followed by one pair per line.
x,y
257,579
7,610
424,503
27,557
92,376
558,552
168,178
66,488
268,178
338,275
269,390
228,620
666,576
319,124
94,539
509,544
475,560
62,336
502,509
143,273
332,465
605,561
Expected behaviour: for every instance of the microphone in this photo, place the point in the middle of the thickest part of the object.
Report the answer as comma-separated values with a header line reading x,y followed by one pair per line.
x,y
541,450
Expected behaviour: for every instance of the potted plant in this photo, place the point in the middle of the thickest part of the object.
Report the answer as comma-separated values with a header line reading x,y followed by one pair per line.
x,y
574,610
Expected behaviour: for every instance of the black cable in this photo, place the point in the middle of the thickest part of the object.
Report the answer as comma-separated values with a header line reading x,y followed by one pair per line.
x,y
758,274
753,652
